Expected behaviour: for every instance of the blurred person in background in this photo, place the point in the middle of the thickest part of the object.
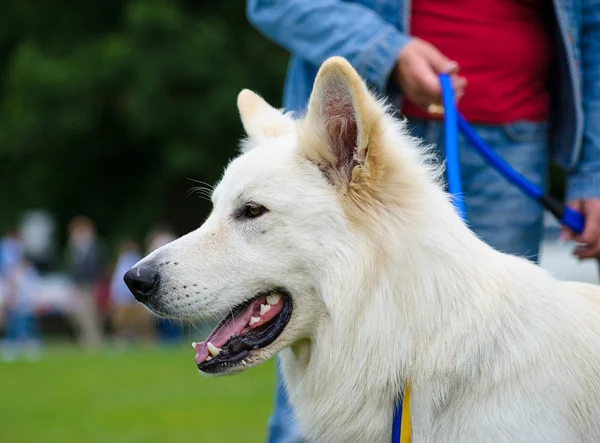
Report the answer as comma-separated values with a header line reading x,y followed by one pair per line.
x,y
11,250
21,330
168,330
37,233
130,320
526,74
85,268
102,296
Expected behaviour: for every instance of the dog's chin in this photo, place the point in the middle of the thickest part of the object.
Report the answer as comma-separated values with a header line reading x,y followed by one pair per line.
x,y
247,335
159,311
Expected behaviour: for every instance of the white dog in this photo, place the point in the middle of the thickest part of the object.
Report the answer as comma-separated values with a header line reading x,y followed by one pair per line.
x,y
332,242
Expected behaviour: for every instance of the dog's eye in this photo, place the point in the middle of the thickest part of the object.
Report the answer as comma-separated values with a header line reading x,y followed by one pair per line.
x,y
252,210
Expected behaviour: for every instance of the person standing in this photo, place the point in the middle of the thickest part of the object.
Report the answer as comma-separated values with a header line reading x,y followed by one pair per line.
x,y
85,266
22,329
11,251
525,73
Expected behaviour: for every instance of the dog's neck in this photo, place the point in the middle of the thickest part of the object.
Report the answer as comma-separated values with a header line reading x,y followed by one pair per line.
x,y
415,285
390,323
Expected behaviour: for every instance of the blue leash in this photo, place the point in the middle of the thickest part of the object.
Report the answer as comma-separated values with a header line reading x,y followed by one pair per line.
x,y
453,122
451,143
453,119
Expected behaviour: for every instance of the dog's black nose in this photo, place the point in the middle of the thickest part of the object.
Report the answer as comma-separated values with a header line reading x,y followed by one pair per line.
x,y
142,282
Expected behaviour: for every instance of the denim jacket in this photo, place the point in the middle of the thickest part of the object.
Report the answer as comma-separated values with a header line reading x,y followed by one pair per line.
x,y
371,34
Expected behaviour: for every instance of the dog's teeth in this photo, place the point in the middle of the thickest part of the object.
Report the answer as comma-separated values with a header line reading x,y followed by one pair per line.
x,y
214,351
194,345
253,320
244,362
264,309
273,299
209,358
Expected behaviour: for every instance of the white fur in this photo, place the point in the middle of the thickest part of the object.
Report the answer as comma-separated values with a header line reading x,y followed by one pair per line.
x,y
386,288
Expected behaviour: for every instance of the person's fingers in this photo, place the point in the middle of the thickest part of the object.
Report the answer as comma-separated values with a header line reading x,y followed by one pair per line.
x,y
591,211
589,239
577,205
565,233
459,85
423,88
452,68
430,82
588,251
439,62
433,88
458,82
418,69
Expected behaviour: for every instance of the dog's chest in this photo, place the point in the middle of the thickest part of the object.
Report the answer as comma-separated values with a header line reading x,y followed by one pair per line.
x,y
336,424
339,406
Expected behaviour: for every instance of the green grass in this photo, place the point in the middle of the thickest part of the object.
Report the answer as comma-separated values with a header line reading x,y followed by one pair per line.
x,y
136,395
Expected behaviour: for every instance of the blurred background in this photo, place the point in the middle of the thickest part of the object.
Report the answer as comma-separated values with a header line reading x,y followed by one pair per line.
x,y
107,108
111,112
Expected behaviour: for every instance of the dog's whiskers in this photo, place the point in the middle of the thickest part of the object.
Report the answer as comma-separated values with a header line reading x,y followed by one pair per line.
x,y
204,184
200,190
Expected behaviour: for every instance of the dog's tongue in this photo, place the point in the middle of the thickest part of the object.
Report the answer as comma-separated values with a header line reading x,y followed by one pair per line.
x,y
239,323
221,334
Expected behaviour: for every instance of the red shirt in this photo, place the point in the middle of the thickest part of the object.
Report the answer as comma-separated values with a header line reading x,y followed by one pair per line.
x,y
503,48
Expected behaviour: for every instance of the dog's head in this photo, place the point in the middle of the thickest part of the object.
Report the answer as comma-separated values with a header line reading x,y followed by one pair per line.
x,y
285,224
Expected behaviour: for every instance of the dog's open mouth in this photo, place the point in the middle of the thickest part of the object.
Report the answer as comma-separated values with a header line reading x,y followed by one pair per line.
x,y
252,325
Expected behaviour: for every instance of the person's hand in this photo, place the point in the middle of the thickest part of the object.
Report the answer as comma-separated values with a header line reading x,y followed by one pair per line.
x,y
417,72
589,240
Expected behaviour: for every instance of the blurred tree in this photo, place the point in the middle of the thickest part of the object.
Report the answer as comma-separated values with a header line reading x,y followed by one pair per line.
x,y
107,107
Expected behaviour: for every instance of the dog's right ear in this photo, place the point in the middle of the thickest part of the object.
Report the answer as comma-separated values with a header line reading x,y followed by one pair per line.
x,y
340,124
260,119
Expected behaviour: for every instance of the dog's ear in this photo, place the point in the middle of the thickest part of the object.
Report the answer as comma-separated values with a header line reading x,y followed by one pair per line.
x,y
260,119
338,127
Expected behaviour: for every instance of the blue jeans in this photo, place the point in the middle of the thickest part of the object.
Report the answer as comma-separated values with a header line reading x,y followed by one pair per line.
x,y
497,211
21,328
282,427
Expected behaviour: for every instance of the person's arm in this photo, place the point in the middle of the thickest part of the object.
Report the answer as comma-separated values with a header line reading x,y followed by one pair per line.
x,y
318,29
315,30
584,183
